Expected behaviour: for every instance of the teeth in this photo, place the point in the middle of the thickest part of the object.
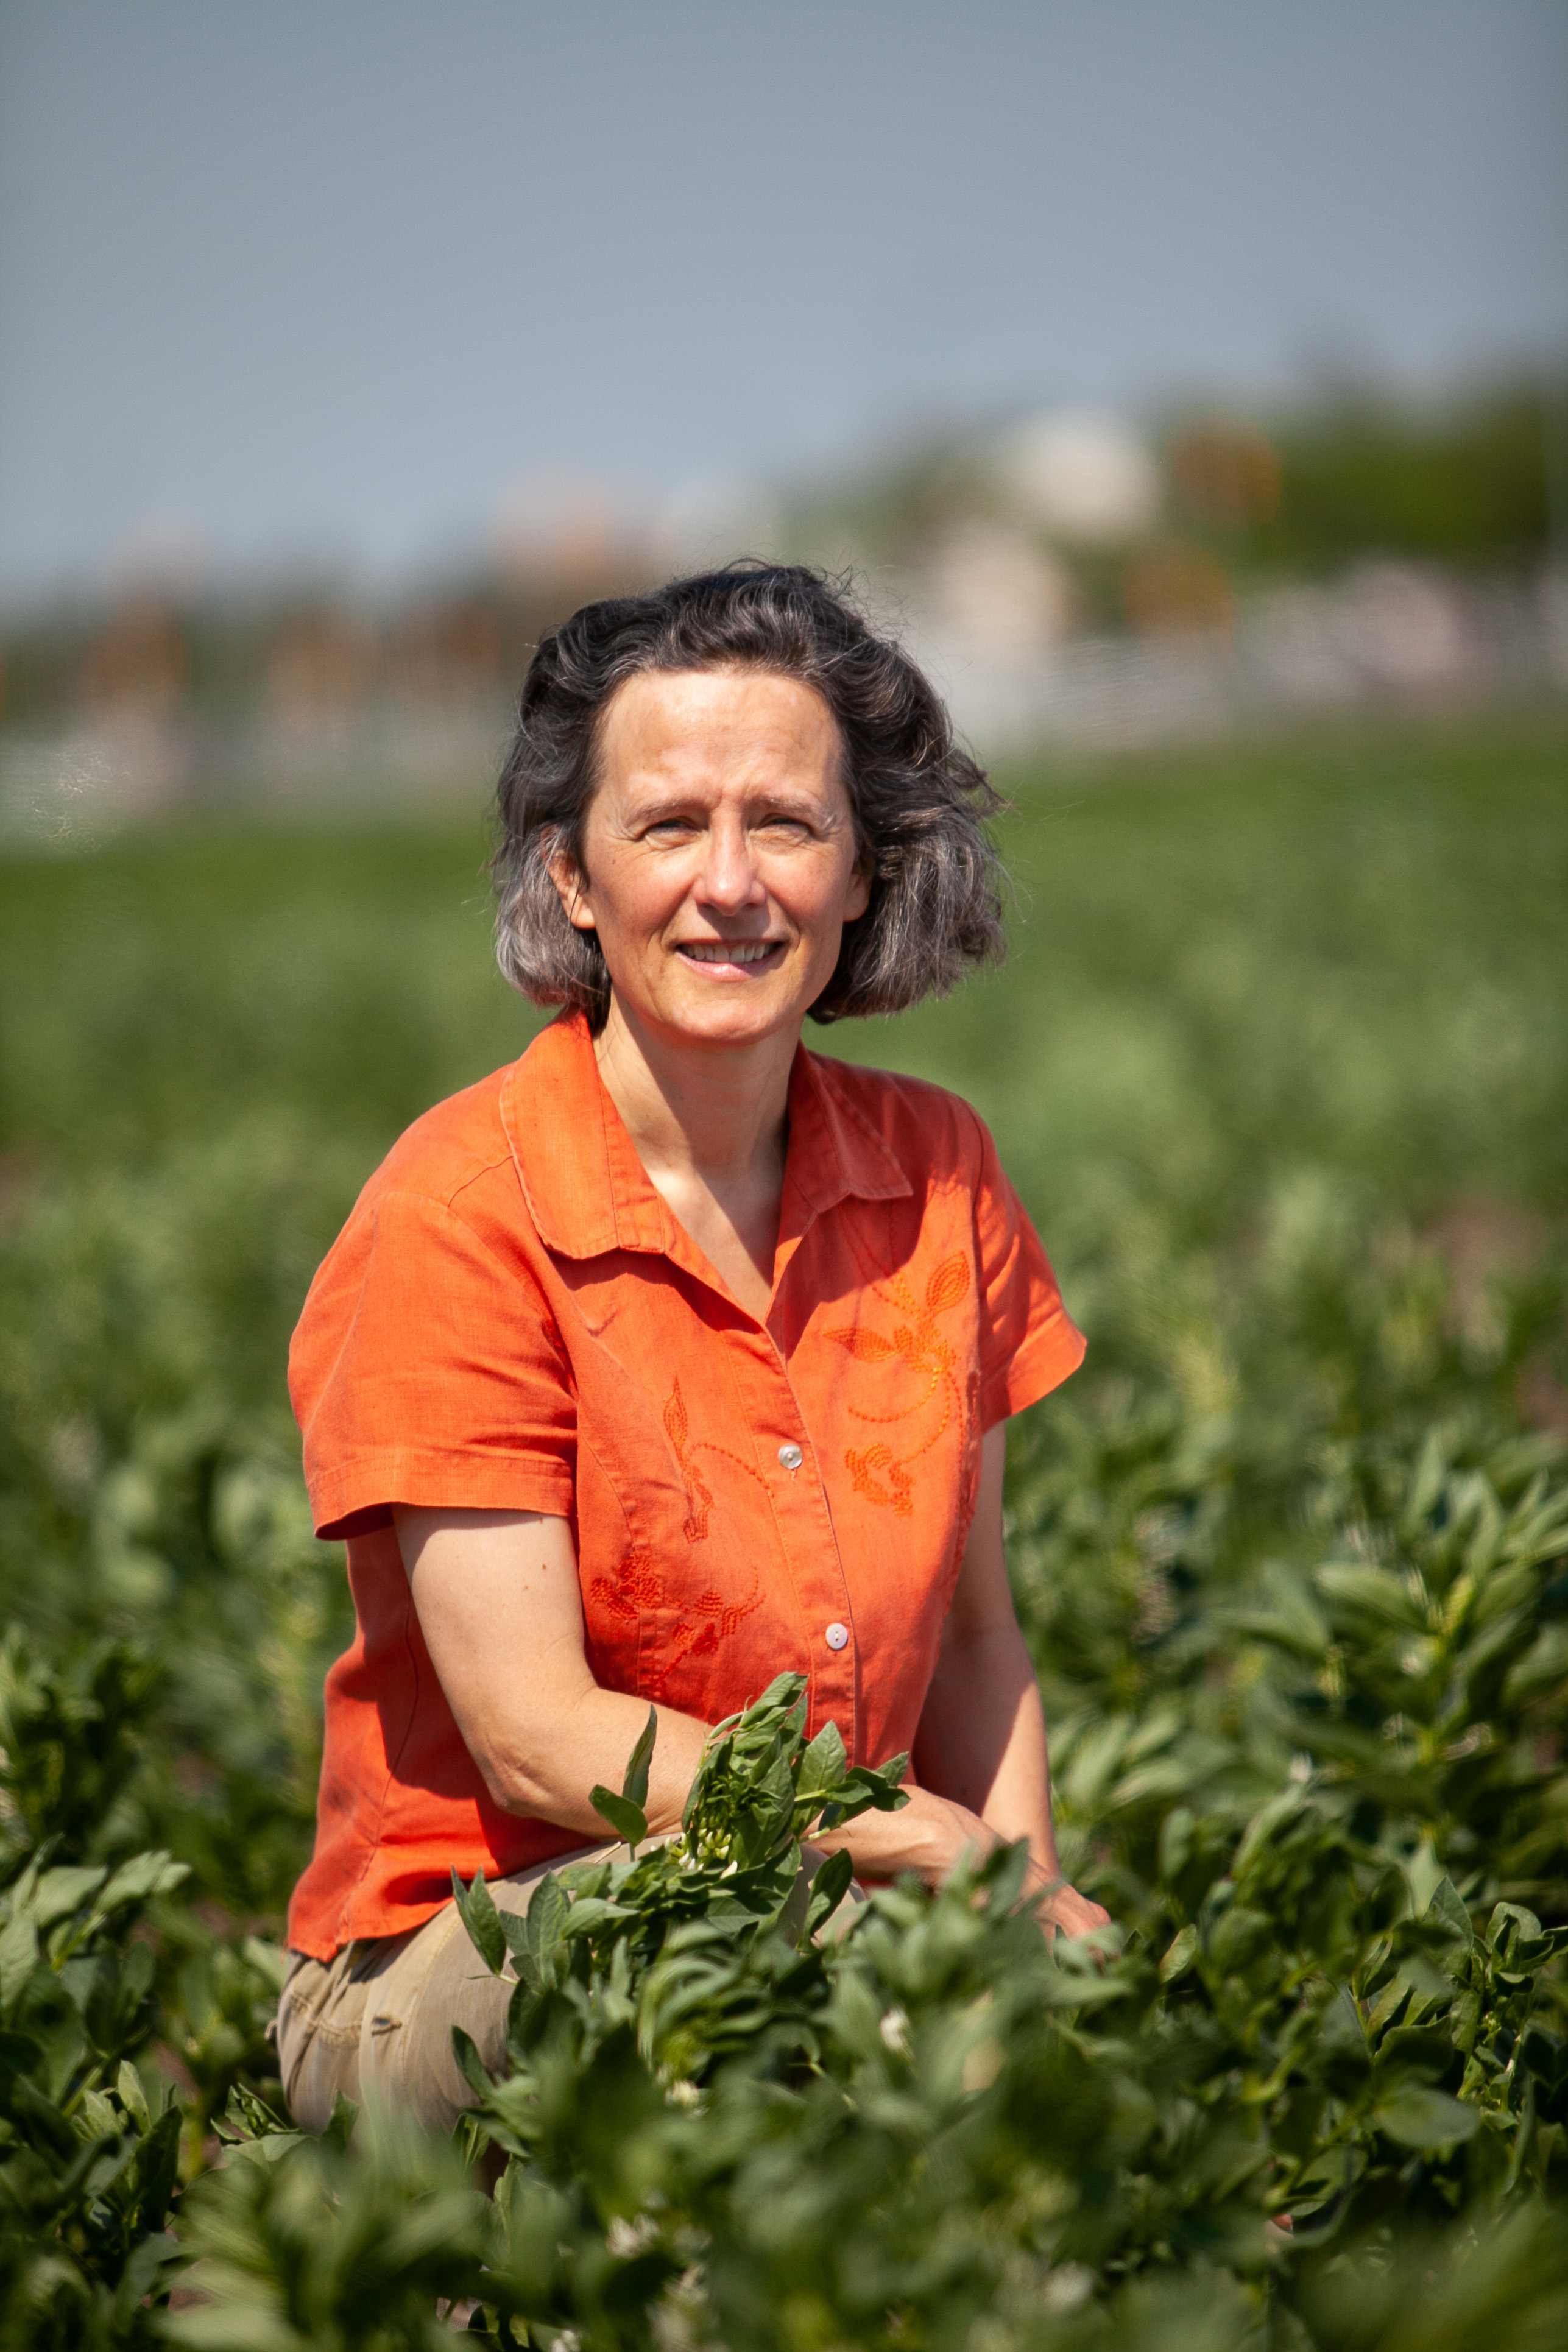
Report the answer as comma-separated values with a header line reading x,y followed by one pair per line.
x,y
723,951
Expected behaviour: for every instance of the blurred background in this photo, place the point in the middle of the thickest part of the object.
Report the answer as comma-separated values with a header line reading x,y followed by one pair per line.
x,y
1187,383
1156,369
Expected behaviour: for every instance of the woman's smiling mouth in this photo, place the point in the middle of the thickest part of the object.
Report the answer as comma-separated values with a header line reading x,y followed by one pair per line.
x,y
719,956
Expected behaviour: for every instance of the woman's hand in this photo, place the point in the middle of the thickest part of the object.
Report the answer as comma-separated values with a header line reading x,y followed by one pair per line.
x,y
1063,1911
933,1835
930,1834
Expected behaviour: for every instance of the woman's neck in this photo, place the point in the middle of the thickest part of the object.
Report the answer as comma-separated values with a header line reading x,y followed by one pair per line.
x,y
713,1112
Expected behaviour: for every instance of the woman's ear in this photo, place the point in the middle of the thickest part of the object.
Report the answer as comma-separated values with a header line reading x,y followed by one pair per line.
x,y
571,888
860,893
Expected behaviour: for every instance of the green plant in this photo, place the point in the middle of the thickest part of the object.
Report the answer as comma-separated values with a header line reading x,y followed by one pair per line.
x,y
1277,1067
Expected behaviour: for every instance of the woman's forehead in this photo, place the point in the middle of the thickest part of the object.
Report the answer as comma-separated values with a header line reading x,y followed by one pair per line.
x,y
712,730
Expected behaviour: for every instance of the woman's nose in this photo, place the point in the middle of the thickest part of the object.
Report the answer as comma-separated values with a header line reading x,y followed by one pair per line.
x,y
729,878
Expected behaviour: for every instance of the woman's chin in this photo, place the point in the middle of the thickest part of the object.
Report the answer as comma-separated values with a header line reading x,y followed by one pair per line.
x,y
730,1012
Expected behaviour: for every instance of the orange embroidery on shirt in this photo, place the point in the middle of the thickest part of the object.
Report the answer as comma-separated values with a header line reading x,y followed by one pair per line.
x,y
720,1618
969,1493
920,1343
638,1587
710,1445
706,1619
699,1494
898,1495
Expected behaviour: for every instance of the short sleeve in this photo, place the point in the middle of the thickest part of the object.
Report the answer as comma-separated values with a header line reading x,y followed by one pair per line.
x,y
425,1369
1028,1343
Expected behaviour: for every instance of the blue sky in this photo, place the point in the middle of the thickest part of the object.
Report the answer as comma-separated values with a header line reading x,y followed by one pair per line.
x,y
326,283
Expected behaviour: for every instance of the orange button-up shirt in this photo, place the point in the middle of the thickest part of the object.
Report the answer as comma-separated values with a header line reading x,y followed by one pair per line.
x,y
513,1320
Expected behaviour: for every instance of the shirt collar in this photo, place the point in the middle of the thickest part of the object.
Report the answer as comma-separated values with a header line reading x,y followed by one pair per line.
x,y
588,1190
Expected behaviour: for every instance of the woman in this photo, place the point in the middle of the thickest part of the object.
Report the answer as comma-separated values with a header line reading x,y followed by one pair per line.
x,y
673,1355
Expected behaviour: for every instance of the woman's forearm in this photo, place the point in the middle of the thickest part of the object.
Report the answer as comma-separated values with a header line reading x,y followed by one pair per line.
x,y
589,1743
982,1736
982,1739
545,1766
590,1739
983,1742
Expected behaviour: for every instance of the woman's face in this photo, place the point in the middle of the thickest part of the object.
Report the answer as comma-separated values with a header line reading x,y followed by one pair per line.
x,y
720,865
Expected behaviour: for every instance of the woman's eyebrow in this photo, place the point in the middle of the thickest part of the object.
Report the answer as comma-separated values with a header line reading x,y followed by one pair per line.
x,y
790,799
797,803
660,805
783,797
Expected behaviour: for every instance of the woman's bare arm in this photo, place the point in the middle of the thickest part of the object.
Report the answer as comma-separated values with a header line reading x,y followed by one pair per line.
x,y
499,1605
982,1739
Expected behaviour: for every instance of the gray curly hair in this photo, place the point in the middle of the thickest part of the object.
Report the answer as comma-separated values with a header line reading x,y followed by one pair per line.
x,y
919,802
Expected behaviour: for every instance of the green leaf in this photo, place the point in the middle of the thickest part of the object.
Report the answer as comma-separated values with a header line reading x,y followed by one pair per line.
x,y
1341,2045
1264,1826
1407,2052
131,2096
774,1804
867,1788
18,1958
1446,1905
582,1879
784,1695
546,1914
1416,2116
1176,1842
822,1766
251,2117
140,1878
1242,1934
1372,1593
534,1935
591,1911
1510,1927
1285,1616
1424,1875
141,2276
60,1892
22,2067
1178,1958
268,1959
634,1787
828,1889
478,1914
158,2168
470,2066
627,1820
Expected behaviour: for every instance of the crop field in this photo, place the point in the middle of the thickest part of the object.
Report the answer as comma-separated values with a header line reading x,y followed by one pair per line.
x,y
1279,1063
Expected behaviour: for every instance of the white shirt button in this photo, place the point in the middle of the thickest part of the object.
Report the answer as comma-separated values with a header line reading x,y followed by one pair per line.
x,y
837,1635
791,1456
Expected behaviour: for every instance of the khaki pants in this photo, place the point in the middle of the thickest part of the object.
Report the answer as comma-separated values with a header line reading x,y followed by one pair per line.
x,y
374,2022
